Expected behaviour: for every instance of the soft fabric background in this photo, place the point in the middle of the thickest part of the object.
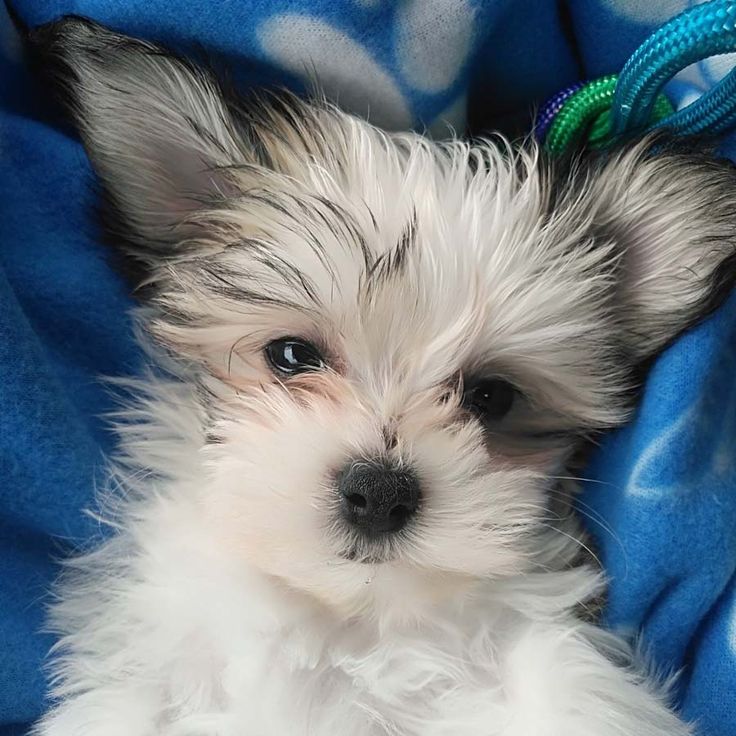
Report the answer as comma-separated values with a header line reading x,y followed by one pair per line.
x,y
662,495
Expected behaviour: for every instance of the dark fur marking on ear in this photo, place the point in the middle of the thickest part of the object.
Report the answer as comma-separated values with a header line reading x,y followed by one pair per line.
x,y
724,280
570,177
54,48
700,152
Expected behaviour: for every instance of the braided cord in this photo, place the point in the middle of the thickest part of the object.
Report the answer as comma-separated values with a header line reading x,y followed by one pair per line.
x,y
546,115
714,112
618,106
701,31
587,111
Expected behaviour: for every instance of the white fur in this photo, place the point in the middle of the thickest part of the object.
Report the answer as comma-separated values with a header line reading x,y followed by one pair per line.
x,y
174,632
226,603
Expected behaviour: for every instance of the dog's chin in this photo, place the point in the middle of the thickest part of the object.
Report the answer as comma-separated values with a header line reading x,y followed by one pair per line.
x,y
380,581
367,557
396,591
375,550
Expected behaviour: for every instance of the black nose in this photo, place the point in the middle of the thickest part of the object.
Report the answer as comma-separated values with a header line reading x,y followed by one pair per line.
x,y
378,499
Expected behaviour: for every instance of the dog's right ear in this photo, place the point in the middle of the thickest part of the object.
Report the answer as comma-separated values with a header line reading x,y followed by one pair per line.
x,y
156,128
166,141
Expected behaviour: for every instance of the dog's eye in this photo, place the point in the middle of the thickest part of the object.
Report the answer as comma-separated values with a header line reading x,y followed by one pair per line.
x,y
291,356
491,399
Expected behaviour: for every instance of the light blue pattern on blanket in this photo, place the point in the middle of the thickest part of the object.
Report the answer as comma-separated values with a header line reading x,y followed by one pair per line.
x,y
410,78
665,485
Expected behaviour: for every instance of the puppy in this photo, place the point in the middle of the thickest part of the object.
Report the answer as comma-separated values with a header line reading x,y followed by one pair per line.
x,y
341,505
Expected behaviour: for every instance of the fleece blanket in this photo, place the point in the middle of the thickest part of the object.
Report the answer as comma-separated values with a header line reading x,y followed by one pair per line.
x,y
661,494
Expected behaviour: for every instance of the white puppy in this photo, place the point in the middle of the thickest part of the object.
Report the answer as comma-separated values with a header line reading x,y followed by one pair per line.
x,y
342,507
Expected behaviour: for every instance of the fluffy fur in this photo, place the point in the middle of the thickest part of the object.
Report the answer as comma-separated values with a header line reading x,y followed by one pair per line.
x,y
233,600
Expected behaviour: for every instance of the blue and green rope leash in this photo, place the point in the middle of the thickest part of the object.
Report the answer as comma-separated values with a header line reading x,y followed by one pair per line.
x,y
600,112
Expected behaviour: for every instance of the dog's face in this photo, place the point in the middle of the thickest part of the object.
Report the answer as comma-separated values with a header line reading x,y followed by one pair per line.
x,y
398,343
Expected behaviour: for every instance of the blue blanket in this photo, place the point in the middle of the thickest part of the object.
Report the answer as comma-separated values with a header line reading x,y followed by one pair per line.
x,y
661,498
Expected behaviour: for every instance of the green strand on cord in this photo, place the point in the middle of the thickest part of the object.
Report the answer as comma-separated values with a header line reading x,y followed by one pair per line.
x,y
586,115
615,107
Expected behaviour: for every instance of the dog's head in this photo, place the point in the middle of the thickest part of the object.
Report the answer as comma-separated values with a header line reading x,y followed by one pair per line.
x,y
400,342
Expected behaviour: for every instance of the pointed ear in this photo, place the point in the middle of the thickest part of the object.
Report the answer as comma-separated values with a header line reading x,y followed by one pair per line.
x,y
156,128
672,218
164,138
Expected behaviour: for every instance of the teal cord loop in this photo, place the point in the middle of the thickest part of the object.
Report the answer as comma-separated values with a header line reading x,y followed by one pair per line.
x,y
697,33
714,112
605,110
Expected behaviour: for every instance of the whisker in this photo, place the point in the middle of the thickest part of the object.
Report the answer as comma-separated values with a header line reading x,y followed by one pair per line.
x,y
581,479
594,516
579,542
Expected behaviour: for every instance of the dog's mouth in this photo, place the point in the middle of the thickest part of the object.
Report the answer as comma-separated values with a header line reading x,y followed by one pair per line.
x,y
370,551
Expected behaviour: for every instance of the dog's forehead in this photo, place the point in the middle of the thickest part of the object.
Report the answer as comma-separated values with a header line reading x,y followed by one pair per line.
x,y
432,221
423,234
409,272
432,258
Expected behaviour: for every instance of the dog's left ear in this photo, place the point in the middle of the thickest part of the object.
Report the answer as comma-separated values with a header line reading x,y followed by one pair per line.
x,y
672,219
